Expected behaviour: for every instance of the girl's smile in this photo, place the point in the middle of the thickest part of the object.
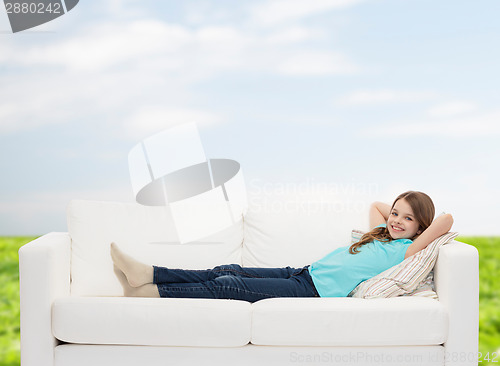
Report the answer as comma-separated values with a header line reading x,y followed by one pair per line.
x,y
401,222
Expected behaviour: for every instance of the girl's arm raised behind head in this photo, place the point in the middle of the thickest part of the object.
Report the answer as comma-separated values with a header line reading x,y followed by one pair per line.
x,y
441,225
379,213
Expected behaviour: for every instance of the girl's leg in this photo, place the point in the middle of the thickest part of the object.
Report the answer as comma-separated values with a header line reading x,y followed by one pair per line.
x,y
147,290
243,288
173,275
137,273
256,272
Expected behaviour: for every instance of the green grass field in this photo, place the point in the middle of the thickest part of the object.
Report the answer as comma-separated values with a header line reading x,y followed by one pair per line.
x,y
489,298
9,300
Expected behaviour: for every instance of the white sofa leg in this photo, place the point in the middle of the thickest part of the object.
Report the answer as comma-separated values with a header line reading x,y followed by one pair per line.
x,y
457,285
44,274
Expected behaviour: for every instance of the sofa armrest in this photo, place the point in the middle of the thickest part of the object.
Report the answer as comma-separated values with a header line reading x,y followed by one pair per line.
x,y
456,276
44,274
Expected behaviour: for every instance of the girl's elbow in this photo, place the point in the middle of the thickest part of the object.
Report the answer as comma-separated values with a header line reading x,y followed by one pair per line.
x,y
449,220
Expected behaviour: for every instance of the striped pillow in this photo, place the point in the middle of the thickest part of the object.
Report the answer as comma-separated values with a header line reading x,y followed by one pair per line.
x,y
356,235
405,277
425,288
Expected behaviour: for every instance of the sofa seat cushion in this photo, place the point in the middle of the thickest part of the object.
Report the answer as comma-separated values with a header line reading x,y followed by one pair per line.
x,y
396,321
152,321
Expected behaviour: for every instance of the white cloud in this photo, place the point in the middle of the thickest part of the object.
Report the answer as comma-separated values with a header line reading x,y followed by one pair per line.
x,y
383,96
114,64
191,53
452,109
480,125
106,45
206,12
317,63
294,35
280,11
26,104
151,119
7,112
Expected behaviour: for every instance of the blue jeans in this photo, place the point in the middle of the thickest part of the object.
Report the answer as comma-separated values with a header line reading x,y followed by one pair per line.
x,y
232,281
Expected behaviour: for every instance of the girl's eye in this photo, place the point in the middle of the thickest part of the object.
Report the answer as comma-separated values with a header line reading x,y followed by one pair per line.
x,y
408,218
395,214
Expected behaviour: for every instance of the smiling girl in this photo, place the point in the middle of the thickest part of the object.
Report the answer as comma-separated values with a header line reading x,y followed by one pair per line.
x,y
399,231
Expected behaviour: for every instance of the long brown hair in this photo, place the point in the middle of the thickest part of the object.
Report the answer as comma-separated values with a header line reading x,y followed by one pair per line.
x,y
423,210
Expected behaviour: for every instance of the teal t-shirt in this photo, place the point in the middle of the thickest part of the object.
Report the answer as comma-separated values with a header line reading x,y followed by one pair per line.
x,y
339,272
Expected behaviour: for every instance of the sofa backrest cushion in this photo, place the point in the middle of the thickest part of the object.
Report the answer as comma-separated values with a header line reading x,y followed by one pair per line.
x,y
284,233
146,233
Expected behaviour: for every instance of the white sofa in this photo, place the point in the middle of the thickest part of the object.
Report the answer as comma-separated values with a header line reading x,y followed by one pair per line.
x,y
72,311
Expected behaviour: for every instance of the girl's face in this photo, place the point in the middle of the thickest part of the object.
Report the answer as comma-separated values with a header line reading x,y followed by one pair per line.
x,y
401,222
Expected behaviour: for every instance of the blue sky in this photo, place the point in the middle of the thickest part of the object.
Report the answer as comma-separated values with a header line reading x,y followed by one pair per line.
x,y
354,100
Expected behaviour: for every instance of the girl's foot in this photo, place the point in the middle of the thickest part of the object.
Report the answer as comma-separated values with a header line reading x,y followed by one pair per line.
x,y
136,273
148,290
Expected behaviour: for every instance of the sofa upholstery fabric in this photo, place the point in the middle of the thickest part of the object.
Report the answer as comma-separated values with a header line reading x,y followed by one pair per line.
x,y
348,321
147,233
152,321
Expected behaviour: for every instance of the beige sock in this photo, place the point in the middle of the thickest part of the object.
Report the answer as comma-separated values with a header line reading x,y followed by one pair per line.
x,y
147,290
137,273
